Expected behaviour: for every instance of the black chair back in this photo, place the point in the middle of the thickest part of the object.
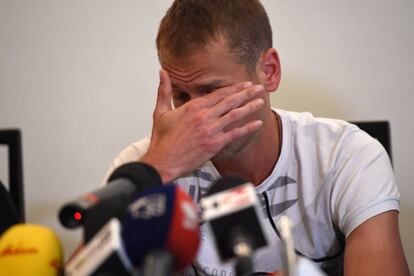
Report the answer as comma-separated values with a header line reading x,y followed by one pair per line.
x,y
380,130
12,139
8,210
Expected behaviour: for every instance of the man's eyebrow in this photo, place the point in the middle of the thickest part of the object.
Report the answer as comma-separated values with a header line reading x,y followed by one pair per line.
x,y
207,87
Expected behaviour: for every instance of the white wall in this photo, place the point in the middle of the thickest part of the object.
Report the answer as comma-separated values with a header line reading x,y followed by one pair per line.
x,y
79,78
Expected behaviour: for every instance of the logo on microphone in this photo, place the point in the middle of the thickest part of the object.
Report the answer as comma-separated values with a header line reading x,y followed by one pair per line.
x,y
190,221
148,207
229,201
56,264
18,250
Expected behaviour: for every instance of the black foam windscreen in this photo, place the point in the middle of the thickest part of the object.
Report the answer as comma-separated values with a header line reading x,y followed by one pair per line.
x,y
142,175
9,214
225,183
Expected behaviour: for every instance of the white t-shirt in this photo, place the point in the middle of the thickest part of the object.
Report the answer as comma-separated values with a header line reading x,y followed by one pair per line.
x,y
330,178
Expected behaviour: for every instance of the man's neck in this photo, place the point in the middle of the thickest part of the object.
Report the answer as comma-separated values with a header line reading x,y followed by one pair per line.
x,y
256,161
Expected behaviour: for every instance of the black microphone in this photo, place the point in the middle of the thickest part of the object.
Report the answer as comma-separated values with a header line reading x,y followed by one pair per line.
x,y
94,209
233,217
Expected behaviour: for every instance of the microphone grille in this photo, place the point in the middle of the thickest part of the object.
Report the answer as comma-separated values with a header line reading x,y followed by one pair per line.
x,y
30,249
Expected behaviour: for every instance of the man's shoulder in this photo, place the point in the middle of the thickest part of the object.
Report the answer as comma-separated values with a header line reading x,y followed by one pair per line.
x,y
133,152
307,121
304,126
328,143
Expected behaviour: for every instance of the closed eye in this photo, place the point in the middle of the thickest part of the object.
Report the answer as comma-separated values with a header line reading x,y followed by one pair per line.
x,y
180,98
209,89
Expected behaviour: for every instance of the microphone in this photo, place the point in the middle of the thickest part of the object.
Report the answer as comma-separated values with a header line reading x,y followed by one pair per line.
x,y
296,265
29,249
159,234
166,219
94,209
234,219
104,254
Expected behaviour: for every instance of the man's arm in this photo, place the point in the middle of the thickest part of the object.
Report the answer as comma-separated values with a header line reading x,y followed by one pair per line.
x,y
374,248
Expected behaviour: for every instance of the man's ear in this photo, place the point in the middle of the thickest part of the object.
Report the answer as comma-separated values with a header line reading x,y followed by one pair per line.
x,y
270,67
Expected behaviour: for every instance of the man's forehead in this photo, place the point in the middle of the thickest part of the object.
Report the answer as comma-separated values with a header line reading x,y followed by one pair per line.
x,y
200,76
209,67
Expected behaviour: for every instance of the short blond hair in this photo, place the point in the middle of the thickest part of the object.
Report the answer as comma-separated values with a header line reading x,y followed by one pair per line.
x,y
190,24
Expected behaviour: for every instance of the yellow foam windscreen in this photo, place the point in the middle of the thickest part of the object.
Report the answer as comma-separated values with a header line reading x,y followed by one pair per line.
x,y
28,249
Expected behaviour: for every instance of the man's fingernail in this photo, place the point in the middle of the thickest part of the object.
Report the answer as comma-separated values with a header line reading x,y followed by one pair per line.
x,y
258,88
259,102
247,84
258,123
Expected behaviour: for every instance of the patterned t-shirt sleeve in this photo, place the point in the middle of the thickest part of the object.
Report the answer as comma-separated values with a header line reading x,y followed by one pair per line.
x,y
363,182
131,153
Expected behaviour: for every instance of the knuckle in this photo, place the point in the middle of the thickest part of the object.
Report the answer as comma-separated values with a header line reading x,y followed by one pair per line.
x,y
251,92
206,134
255,90
221,93
234,114
208,146
231,102
234,134
200,118
194,105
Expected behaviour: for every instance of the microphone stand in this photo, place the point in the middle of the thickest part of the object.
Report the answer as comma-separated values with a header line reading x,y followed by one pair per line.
x,y
243,262
242,247
290,256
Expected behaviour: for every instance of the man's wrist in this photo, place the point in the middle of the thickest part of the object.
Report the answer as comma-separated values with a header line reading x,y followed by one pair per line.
x,y
166,173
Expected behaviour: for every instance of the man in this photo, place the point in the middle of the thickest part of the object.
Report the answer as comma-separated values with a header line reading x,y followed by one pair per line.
x,y
331,179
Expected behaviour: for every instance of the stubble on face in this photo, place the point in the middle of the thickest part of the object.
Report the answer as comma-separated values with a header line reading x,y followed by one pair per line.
x,y
231,150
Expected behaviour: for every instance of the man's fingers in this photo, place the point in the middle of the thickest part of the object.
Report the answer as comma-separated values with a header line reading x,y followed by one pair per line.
x,y
239,132
164,95
236,100
237,114
218,95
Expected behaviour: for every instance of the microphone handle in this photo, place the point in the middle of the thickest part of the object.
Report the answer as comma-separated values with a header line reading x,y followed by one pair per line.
x,y
118,189
243,251
242,243
158,263
244,266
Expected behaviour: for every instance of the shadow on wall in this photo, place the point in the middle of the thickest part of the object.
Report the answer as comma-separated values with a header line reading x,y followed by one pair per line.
x,y
298,93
